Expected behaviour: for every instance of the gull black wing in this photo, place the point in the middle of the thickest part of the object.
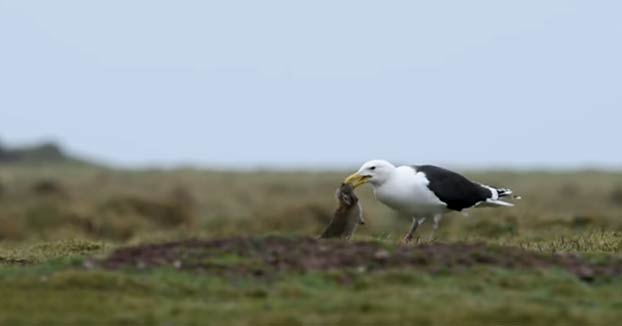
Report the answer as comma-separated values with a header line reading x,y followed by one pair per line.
x,y
452,188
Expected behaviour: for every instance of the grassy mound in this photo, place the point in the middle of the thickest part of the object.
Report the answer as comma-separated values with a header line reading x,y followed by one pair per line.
x,y
266,256
279,280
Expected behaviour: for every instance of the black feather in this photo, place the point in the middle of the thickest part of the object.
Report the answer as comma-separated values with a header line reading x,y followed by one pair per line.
x,y
454,189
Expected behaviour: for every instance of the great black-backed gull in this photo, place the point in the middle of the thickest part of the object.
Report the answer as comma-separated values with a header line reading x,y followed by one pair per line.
x,y
423,191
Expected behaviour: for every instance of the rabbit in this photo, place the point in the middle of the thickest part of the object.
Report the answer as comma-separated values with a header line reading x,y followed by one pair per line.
x,y
347,216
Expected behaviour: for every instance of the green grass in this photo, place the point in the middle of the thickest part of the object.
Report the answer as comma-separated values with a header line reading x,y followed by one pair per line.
x,y
60,293
49,237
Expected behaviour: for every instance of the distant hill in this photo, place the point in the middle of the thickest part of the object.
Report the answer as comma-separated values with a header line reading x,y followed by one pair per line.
x,y
40,153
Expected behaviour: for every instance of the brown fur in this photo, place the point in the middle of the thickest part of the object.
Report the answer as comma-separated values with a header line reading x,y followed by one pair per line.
x,y
347,216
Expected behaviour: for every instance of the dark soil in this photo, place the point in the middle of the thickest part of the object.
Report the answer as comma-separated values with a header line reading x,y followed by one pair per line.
x,y
13,261
267,256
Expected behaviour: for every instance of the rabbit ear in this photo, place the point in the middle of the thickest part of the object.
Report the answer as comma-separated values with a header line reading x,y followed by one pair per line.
x,y
346,199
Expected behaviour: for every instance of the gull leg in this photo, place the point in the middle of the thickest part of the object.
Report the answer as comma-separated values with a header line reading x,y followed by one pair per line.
x,y
437,220
413,227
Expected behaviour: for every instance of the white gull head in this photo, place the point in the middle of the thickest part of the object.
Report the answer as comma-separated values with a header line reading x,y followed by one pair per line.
x,y
376,172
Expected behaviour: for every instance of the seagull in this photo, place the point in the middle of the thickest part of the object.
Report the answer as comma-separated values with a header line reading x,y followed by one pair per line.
x,y
423,191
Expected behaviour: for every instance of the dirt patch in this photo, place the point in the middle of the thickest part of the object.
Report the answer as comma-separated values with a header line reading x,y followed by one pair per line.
x,y
13,261
271,255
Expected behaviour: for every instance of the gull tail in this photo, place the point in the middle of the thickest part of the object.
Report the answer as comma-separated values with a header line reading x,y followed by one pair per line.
x,y
496,202
497,193
505,192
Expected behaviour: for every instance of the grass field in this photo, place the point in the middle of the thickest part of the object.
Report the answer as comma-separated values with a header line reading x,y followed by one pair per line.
x,y
84,245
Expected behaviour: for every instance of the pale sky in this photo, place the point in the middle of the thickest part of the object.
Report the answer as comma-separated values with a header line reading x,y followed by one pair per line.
x,y
333,83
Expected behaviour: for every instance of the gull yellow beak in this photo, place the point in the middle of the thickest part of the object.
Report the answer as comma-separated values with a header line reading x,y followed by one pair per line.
x,y
356,180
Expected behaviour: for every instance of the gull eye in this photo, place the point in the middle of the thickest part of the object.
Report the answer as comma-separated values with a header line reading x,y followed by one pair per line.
x,y
372,168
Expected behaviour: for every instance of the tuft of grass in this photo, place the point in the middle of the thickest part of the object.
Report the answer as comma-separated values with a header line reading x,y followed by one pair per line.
x,y
47,251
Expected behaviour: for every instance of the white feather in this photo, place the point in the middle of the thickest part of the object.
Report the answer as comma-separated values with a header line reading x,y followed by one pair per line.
x,y
492,203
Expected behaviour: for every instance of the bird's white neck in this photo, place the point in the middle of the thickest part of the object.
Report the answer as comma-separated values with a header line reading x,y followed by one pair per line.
x,y
385,179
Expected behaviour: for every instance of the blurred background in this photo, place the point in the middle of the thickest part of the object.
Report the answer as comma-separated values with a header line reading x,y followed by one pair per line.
x,y
124,120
